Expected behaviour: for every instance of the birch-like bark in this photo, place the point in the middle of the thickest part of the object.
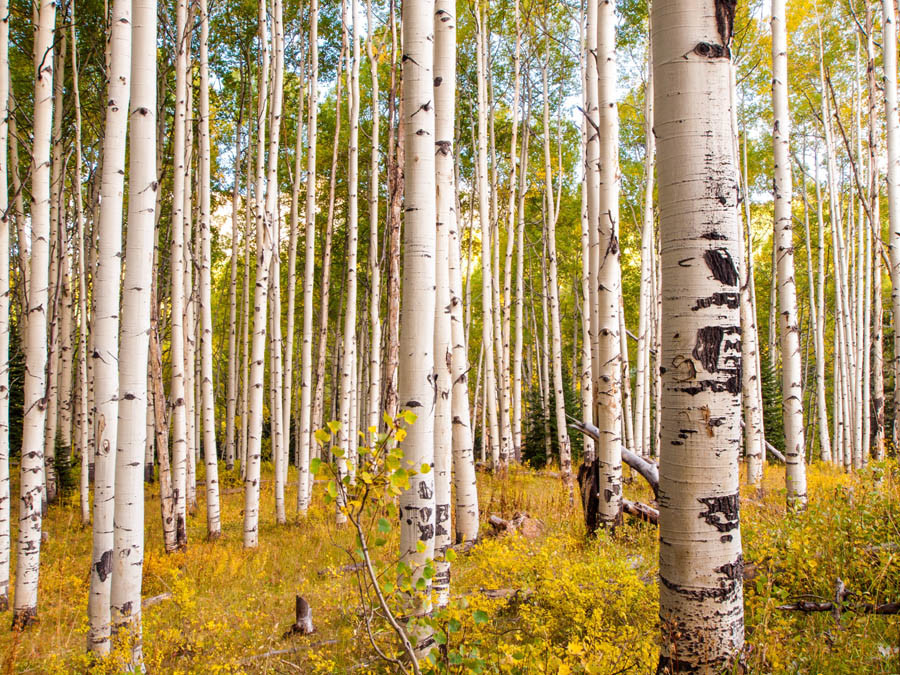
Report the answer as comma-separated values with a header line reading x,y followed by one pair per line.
x,y
83,411
260,298
520,293
249,210
309,266
821,399
128,557
648,250
106,324
4,309
231,391
562,436
415,383
608,374
176,263
892,124
445,184
213,523
190,298
287,391
701,588
32,457
346,463
374,355
498,461
792,395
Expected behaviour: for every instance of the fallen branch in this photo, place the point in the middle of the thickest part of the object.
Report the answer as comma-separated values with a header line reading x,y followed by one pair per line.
x,y
343,569
642,511
647,469
860,608
522,523
289,650
771,449
155,600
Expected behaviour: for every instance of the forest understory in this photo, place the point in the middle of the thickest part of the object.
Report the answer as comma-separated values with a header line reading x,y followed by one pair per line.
x,y
555,601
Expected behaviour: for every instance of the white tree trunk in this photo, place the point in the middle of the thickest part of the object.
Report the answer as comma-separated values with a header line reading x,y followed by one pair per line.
x,y
892,117
176,263
231,387
213,524
700,565
303,483
792,376
32,458
106,324
128,554
347,463
498,462
415,384
608,374
4,311
562,436
260,300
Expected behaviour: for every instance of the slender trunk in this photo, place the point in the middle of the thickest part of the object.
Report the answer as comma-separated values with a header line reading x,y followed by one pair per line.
x,y
608,375
520,294
347,462
374,383
106,325
213,524
309,269
176,264
701,604
821,399
792,395
245,303
498,461
128,556
562,436
231,386
414,383
264,246
4,311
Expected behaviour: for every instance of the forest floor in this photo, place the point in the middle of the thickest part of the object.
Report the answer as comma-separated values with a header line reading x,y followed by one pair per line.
x,y
583,605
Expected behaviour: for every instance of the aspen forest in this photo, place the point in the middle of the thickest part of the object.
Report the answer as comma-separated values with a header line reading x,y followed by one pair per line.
x,y
432,336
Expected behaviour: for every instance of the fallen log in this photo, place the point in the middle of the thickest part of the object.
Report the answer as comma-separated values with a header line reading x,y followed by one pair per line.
x,y
771,449
522,523
642,511
343,569
155,600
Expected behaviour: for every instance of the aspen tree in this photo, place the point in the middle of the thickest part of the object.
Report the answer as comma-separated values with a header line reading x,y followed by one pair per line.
x,y
498,461
134,349
821,400
374,384
309,266
106,324
176,262
190,298
318,403
32,458
245,303
231,391
213,525
701,603
294,225
892,124
347,462
648,250
608,373
792,396
520,291
273,223
83,412
260,298
415,386
444,93
4,309
562,436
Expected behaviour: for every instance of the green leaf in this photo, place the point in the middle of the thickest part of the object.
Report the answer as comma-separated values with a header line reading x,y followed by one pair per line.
x,y
322,436
420,546
455,658
421,585
453,625
440,638
409,416
400,479
334,426
425,468
384,525
480,616
315,466
450,555
331,489
388,586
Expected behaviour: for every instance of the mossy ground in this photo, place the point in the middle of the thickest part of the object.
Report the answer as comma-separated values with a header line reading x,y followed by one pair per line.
x,y
591,605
